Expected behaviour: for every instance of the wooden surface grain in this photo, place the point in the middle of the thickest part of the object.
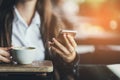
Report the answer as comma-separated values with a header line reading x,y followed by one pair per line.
x,y
36,66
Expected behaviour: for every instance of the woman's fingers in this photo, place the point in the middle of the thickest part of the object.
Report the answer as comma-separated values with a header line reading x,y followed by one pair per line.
x,y
67,50
5,48
4,59
65,57
68,59
61,47
72,40
57,51
68,44
4,53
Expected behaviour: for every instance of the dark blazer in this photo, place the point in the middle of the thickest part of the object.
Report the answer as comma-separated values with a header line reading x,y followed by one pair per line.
x,y
61,69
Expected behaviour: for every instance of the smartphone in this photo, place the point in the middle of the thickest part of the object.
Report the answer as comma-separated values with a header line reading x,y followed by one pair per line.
x,y
69,32
62,32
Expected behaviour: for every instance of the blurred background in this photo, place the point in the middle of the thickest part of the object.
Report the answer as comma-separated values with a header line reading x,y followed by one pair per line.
x,y
97,23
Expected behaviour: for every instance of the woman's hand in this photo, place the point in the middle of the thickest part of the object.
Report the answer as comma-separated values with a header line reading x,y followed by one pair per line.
x,y
67,50
4,54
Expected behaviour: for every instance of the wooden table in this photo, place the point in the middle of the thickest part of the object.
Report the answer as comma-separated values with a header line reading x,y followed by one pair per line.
x,y
18,70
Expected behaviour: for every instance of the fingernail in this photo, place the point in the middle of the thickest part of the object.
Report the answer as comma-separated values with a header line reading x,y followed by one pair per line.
x,y
64,35
68,35
53,39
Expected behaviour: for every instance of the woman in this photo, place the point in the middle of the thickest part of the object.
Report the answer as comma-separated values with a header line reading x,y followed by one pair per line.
x,y
33,23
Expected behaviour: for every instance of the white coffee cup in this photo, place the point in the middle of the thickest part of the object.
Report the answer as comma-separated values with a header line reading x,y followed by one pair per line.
x,y
23,55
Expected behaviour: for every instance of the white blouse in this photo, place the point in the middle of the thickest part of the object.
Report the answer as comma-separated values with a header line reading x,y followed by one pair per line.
x,y
29,36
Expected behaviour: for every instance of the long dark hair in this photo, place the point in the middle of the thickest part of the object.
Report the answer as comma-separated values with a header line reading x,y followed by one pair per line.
x,y
43,7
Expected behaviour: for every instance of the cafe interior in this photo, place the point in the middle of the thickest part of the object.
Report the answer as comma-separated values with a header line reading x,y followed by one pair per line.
x,y
97,26
98,35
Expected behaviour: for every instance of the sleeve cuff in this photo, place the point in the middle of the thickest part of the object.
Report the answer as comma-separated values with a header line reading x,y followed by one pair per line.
x,y
74,63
